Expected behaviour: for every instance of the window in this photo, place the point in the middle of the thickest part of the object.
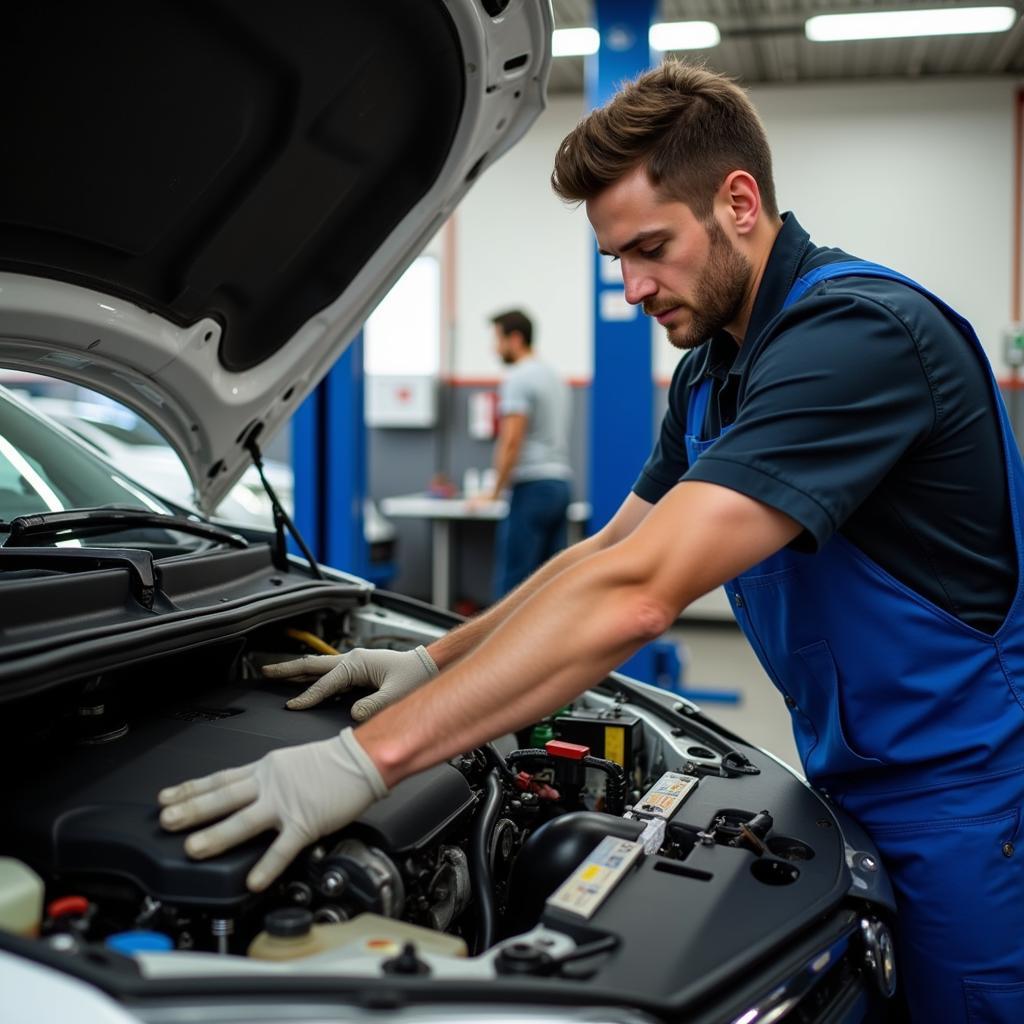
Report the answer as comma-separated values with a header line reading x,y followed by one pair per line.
x,y
403,334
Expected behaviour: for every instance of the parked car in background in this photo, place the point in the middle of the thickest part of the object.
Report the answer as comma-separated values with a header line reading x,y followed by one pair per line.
x,y
130,443
208,201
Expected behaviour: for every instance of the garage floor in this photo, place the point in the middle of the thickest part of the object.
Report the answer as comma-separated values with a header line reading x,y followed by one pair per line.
x,y
718,657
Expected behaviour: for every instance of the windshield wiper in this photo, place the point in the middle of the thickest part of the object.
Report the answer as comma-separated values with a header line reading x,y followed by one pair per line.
x,y
86,522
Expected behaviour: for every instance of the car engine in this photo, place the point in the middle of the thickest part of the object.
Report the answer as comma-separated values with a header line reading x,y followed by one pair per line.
x,y
86,812
477,851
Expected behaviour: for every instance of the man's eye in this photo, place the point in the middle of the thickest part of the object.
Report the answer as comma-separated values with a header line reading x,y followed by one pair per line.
x,y
654,253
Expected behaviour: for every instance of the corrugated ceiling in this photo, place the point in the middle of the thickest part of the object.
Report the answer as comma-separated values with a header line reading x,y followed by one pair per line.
x,y
763,41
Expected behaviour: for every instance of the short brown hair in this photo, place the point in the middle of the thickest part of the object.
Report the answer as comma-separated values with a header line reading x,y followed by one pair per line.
x,y
686,126
515,320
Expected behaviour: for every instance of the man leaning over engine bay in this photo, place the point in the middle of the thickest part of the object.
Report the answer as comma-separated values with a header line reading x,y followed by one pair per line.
x,y
836,452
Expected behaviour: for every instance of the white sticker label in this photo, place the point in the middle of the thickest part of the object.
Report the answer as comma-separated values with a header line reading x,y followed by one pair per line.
x,y
591,883
662,800
613,305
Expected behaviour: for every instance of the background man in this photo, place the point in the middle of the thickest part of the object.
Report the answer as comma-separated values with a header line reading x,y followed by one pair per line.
x,y
531,454
836,452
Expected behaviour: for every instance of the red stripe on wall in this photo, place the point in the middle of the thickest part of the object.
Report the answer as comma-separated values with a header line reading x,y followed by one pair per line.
x,y
493,382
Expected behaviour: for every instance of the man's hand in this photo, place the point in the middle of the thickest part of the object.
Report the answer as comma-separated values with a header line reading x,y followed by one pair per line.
x,y
479,502
304,792
393,674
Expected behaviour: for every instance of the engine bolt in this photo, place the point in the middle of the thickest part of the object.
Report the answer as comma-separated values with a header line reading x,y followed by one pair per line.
x,y
222,929
299,893
332,882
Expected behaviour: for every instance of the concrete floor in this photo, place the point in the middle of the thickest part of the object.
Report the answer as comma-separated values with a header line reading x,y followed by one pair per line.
x,y
717,657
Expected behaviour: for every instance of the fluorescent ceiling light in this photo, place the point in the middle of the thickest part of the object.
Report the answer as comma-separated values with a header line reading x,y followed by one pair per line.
x,y
826,28
574,42
684,35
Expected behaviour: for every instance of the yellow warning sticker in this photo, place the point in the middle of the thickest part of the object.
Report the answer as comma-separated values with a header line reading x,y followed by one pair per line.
x,y
615,744
590,884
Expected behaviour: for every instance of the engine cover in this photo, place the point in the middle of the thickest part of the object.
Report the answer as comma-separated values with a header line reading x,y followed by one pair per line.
x,y
92,808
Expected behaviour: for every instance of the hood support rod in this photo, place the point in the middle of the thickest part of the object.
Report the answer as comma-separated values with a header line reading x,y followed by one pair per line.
x,y
281,518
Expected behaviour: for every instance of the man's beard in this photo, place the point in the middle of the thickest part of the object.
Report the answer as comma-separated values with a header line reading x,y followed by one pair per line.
x,y
718,296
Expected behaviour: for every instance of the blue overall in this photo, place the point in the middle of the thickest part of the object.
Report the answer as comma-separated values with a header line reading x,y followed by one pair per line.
x,y
914,723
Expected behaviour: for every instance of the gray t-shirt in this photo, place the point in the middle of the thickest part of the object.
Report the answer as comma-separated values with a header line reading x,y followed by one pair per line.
x,y
536,391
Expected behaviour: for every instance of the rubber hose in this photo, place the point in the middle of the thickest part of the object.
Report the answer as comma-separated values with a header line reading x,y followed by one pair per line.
x,y
480,862
615,787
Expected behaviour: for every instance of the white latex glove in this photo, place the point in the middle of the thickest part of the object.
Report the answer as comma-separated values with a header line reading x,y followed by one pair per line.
x,y
393,674
304,792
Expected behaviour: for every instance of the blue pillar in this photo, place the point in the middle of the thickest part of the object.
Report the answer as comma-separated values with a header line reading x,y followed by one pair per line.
x,y
345,481
305,444
329,461
622,395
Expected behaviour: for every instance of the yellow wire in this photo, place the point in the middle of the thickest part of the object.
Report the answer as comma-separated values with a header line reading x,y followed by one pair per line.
x,y
311,640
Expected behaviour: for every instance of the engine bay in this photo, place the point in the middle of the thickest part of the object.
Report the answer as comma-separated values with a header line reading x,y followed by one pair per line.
x,y
623,841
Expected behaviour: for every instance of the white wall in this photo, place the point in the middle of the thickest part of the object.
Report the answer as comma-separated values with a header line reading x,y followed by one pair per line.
x,y
917,175
518,245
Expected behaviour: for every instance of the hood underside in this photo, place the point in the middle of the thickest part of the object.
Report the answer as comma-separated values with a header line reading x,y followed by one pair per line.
x,y
204,200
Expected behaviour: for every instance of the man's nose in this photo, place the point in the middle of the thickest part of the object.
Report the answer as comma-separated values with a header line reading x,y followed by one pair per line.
x,y
638,287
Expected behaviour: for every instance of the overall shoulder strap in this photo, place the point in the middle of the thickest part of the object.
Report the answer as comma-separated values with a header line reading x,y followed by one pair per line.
x,y
845,268
697,407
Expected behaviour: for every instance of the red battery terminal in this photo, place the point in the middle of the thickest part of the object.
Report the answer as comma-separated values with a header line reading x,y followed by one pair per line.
x,y
569,751
68,906
525,782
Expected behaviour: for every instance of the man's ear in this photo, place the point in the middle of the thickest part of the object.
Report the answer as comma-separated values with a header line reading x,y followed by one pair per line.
x,y
740,199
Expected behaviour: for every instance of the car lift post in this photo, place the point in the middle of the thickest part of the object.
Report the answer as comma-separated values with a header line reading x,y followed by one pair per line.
x,y
329,462
622,393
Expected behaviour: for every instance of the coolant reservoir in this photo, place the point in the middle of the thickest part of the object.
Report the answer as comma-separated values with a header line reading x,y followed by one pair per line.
x,y
21,898
290,933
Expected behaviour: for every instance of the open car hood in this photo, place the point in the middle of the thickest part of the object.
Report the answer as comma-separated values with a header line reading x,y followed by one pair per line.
x,y
203,202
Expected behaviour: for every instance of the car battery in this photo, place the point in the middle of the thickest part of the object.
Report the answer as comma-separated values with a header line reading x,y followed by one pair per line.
x,y
614,736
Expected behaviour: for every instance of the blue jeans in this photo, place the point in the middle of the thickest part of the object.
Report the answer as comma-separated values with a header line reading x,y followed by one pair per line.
x,y
531,533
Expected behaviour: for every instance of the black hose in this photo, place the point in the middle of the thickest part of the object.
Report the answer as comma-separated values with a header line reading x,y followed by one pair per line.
x,y
480,863
528,752
492,756
615,787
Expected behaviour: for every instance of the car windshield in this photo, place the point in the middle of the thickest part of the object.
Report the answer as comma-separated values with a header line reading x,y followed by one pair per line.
x,y
42,470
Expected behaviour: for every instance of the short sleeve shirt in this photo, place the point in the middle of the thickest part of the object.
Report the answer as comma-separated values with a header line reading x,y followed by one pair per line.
x,y
535,390
859,409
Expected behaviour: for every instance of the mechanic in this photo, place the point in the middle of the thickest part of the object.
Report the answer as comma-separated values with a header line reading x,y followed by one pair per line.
x,y
835,451
531,454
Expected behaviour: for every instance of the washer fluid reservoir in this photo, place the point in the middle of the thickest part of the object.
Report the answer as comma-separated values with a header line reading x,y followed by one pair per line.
x,y
21,898
290,933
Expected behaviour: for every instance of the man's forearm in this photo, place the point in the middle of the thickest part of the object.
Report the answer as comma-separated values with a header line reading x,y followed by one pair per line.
x,y
505,459
574,630
458,643
583,622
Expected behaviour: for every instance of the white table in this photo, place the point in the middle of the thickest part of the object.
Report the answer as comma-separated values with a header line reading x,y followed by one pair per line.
x,y
442,512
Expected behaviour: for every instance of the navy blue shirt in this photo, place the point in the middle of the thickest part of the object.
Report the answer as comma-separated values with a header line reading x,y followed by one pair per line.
x,y
861,409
